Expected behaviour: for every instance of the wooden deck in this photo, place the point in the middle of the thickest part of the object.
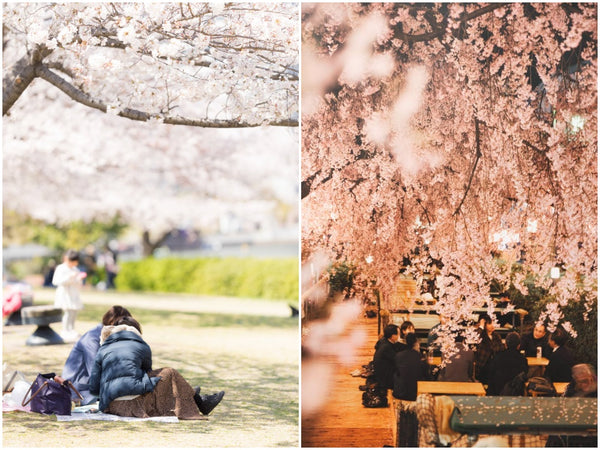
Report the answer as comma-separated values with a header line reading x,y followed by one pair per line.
x,y
345,422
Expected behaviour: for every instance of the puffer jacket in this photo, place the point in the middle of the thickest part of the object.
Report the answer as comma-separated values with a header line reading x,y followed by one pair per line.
x,y
121,365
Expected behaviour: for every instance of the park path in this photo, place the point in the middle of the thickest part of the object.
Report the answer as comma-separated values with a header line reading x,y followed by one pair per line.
x,y
344,421
177,302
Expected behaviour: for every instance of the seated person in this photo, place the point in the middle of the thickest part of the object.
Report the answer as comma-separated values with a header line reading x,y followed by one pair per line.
x,y
458,366
583,384
561,359
81,359
506,365
383,360
489,345
410,368
123,379
405,328
537,338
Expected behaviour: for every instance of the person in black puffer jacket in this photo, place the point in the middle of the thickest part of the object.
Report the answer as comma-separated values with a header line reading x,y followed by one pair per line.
x,y
123,379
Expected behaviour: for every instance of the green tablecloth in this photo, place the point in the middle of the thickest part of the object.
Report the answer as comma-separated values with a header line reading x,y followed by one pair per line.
x,y
524,415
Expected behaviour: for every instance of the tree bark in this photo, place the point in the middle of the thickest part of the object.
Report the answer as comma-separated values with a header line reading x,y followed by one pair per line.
x,y
15,81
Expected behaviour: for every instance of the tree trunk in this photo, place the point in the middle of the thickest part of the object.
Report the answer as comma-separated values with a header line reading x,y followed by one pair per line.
x,y
148,247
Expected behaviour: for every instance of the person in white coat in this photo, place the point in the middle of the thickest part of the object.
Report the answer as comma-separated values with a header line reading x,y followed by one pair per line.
x,y
68,279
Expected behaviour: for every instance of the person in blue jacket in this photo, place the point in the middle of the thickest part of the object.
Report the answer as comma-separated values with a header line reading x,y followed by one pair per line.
x,y
78,366
123,378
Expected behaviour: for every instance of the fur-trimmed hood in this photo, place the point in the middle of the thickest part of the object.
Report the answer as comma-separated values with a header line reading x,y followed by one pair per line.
x,y
112,329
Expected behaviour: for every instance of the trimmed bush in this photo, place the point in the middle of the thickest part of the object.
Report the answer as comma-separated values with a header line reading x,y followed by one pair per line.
x,y
236,277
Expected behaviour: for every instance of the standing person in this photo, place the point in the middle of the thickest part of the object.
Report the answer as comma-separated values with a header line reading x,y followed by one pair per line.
x,y
506,365
561,359
110,267
68,279
410,368
489,345
78,366
123,379
383,360
537,338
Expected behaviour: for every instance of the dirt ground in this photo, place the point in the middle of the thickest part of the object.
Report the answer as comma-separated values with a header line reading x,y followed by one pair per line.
x,y
257,366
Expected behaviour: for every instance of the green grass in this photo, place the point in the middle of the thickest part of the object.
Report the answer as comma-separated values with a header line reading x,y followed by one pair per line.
x,y
253,358
194,320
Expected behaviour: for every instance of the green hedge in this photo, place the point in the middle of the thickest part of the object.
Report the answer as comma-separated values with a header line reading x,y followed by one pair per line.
x,y
237,277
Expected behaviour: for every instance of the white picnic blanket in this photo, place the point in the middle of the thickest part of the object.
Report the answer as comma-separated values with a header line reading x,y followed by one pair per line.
x,y
77,416
90,412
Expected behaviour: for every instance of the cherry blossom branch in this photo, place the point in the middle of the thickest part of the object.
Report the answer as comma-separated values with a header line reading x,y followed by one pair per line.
x,y
82,97
477,156
440,31
20,75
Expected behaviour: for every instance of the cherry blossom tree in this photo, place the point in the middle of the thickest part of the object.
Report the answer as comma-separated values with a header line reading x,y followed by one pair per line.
x,y
199,64
459,133
210,68
64,162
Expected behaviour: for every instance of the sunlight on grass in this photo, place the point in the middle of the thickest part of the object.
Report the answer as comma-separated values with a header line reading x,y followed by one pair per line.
x,y
253,358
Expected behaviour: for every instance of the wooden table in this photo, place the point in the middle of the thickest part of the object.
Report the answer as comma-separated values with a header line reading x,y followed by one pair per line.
x,y
533,361
450,387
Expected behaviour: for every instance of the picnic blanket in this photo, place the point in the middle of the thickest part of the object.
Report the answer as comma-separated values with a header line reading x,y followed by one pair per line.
x,y
90,412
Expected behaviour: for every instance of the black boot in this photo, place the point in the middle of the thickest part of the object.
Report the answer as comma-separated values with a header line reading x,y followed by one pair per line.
x,y
206,403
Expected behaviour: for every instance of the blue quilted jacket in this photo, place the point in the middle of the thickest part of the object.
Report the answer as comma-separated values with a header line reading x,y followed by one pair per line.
x,y
121,367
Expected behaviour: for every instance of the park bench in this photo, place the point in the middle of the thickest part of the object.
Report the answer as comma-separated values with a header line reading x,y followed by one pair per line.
x,y
42,316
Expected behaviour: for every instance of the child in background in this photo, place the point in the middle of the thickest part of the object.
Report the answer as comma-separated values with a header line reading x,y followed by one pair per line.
x,y
68,279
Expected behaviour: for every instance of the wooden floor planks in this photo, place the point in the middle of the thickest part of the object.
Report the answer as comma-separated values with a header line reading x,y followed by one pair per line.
x,y
344,422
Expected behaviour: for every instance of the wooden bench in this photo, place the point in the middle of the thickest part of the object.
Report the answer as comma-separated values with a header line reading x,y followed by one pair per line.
x,y
450,388
42,316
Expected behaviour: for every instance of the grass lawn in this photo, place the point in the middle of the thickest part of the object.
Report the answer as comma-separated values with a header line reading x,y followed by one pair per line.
x,y
253,358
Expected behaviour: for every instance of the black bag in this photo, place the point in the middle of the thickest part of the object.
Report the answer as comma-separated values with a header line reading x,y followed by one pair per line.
x,y
375,397
516,386
50,396
540,387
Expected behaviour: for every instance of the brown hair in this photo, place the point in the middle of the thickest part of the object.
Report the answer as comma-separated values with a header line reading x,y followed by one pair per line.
x,y
113,314
128,320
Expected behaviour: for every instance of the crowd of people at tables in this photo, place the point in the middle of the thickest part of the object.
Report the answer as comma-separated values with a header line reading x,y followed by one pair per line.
x,y
398,363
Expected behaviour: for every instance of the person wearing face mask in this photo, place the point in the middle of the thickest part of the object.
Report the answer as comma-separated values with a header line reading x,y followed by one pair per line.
x,y
405,328
490,343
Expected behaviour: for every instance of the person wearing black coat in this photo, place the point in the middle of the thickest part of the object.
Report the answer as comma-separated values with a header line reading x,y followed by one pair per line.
x,y
410,368
561,359
123,379
121,365
506,365
537,338
383,360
